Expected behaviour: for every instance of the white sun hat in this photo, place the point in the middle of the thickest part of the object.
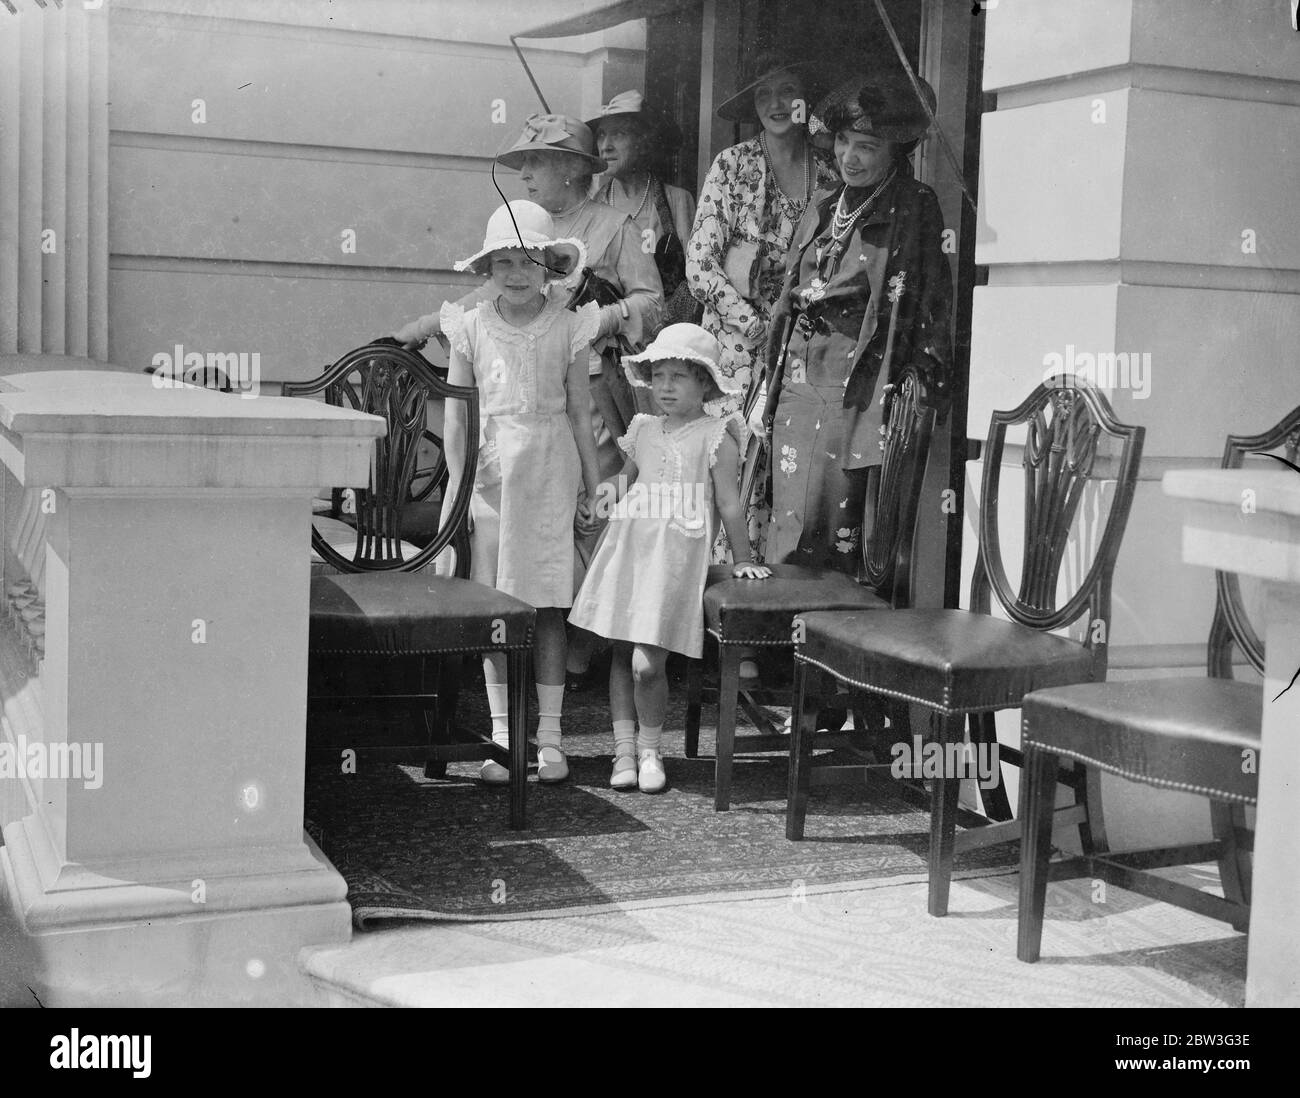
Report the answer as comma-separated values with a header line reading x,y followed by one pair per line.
x,y
689,343
536,231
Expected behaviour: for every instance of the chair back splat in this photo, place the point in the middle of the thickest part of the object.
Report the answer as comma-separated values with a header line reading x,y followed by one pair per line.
x,y
397,385
887,551
1064,419
1231,624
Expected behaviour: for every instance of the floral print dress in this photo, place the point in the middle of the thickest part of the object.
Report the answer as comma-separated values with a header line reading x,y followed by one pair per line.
x,y
741,205
817,490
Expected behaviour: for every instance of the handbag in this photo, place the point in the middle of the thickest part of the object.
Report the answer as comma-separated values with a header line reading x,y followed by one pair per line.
x,y
680,306
740,266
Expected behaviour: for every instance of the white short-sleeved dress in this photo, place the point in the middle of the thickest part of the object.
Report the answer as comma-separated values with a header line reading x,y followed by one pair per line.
x,y
646,579
526,490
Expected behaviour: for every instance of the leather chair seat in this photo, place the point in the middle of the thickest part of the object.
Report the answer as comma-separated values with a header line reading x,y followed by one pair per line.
x,y
760,612
401,613
951,660
1175,733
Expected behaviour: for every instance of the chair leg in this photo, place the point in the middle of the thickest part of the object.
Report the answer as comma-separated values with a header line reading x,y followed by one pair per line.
x,y
943,818
437,722
1234,861
728,695
801,740
1037,805
1092,831
984,730
517,695
694,696
450,668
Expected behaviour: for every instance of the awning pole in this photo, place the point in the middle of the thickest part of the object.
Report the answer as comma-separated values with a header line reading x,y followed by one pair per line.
x,y
531,79
925,103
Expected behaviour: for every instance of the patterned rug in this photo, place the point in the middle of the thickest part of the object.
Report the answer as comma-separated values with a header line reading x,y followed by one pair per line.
x,y
415,848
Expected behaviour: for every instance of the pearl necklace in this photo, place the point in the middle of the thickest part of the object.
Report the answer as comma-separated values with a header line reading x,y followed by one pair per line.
x,y
843,221
572,209
609,193
807,174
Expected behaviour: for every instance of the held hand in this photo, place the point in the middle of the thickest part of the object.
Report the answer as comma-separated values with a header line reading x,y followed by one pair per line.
x,y
757,426
751,571
585,522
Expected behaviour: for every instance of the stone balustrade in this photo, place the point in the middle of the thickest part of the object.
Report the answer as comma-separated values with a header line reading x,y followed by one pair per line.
x,y
152,753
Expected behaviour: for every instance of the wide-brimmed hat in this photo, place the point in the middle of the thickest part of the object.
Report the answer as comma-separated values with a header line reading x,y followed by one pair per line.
x,y
884,107
740,107
562,255
690,343
630,106
552,133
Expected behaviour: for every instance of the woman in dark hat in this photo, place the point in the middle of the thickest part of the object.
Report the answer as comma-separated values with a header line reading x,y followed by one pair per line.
x,y
751,201
868,291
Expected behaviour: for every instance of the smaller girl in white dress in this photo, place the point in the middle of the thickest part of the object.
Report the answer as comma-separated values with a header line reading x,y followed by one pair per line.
x,y
645,586
528,355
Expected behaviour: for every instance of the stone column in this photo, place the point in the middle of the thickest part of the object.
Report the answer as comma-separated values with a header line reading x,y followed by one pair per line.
x,y
166,862
1137,197
54,180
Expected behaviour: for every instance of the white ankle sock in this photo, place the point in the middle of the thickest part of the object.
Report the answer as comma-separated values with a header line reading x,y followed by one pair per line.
x,y
499,710
624,738
550,706
648,737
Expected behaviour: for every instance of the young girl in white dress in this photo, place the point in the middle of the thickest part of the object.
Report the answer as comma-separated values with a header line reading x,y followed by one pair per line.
x,y
528,355
645,586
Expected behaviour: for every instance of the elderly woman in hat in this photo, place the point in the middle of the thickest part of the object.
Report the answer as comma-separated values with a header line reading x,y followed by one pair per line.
x,y
751,201
868,290
632,139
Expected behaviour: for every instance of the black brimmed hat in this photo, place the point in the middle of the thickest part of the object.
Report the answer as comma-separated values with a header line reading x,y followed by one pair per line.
x,y
740,107
886,107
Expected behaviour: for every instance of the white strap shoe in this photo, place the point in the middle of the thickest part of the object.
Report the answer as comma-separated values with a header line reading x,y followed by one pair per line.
x,y
493,773
552,765
624,775
650,772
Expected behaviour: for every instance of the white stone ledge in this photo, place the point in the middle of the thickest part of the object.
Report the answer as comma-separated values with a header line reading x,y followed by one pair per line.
x,y
1166,78
1190,276
90,900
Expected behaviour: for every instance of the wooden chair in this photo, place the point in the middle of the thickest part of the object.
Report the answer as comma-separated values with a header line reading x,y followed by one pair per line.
x,y
966,662
1197,735
743,614
382,607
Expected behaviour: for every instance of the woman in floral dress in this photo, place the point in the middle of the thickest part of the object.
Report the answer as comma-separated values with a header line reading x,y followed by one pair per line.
x,y
752,200
868,291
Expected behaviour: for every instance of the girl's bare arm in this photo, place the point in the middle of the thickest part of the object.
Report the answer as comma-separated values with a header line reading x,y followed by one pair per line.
x,y
726,476
577,406
459,372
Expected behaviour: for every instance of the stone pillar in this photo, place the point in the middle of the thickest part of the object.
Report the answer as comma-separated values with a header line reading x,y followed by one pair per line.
x,y
54,180
1137,196
166,863
1261,542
